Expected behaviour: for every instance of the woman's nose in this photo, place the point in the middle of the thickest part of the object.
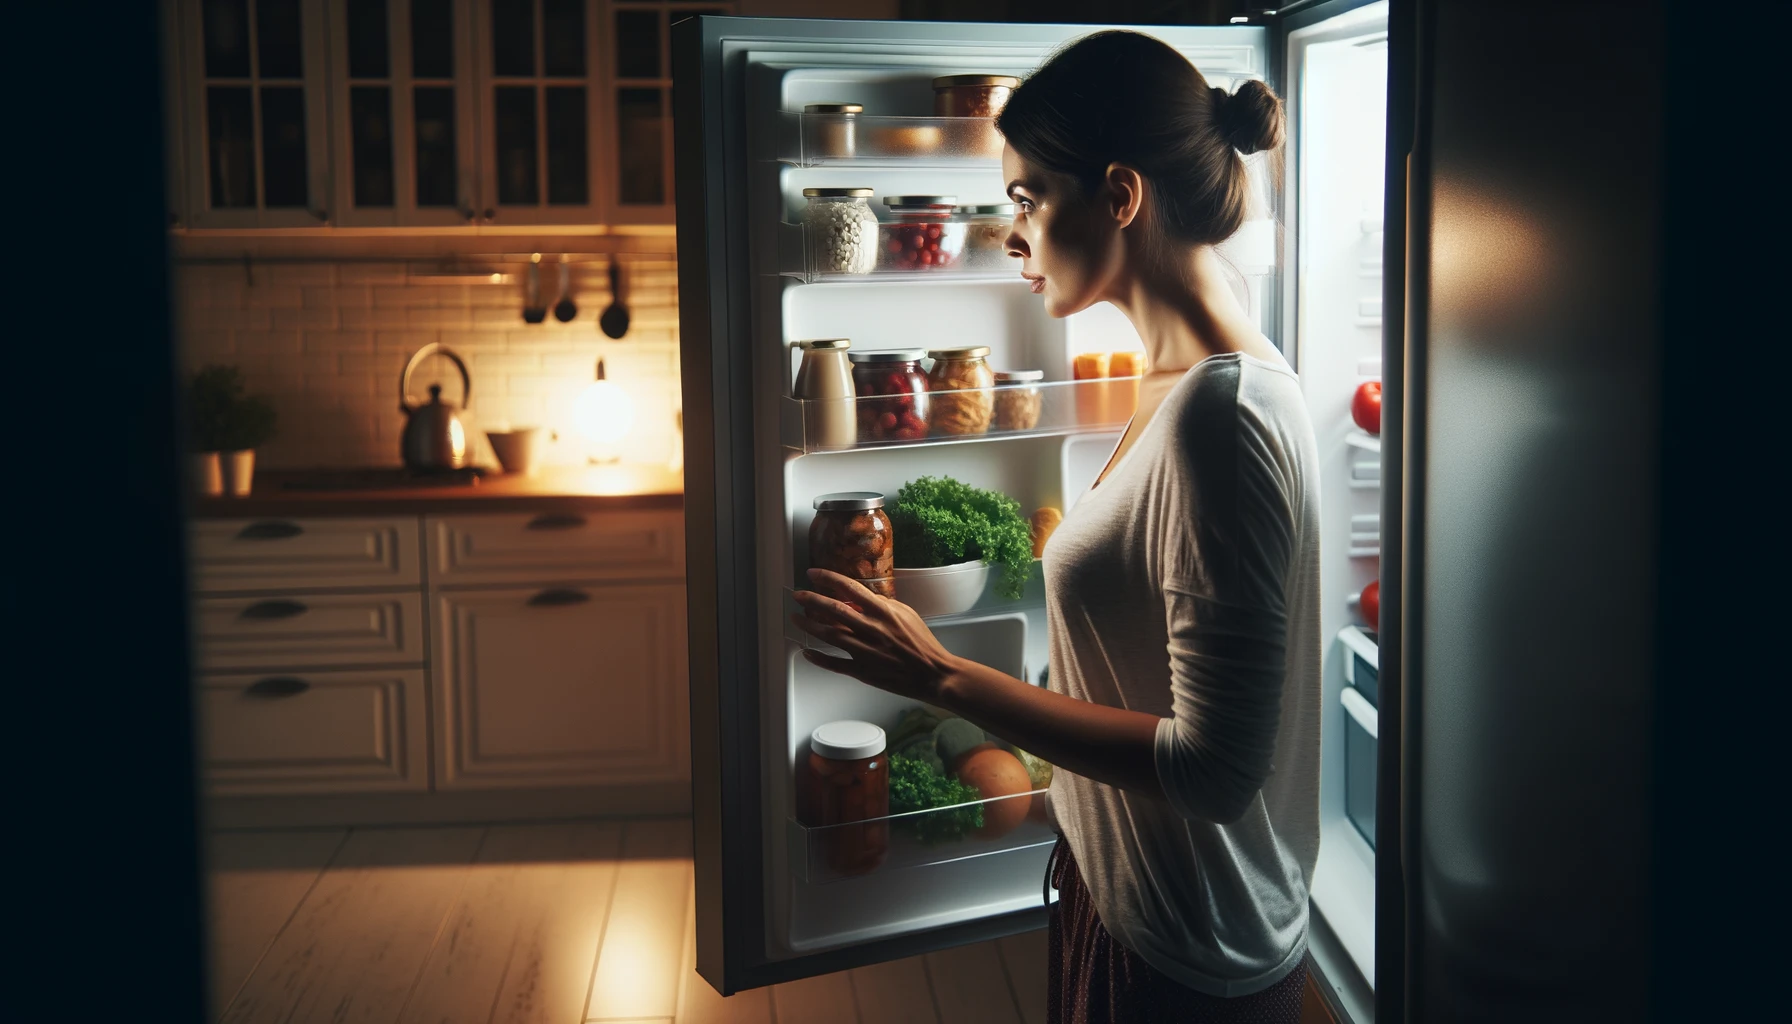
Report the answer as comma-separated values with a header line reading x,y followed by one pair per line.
x,y
1017,246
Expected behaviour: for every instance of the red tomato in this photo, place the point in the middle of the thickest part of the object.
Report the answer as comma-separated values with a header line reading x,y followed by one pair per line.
x,y
1365,407
1370,603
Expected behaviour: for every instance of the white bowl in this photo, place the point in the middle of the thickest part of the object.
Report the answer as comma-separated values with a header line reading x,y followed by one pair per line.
x,y
946,590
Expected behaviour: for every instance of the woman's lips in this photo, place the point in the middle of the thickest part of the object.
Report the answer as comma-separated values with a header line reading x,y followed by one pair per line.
x,y
1035,282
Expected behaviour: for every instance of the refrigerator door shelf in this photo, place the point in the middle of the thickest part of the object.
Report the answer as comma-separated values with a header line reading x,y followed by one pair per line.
x,y
864,140
1363,439
813,259
942,835
1045,409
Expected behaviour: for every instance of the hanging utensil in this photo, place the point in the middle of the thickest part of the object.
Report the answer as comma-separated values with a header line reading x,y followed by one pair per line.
x,y
565,310
533,311
614,320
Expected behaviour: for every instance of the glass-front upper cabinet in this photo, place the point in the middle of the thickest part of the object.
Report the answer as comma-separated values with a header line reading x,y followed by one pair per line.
x,y
640,101
537,86
402,102
256,151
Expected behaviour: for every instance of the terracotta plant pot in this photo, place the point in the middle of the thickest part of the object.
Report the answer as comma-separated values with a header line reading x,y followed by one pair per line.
x,y
240,471
208,474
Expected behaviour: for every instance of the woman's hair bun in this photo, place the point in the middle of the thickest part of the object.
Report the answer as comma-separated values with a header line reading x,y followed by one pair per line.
x,y
1250,120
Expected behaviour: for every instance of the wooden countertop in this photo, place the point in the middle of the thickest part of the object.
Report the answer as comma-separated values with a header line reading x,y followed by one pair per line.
x,y
348,492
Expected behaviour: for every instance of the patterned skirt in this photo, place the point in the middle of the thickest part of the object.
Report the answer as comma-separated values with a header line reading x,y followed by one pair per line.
x,y
1093,979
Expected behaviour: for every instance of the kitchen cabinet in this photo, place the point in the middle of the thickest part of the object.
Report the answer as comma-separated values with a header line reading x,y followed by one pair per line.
x,y
555,546
252,112
309,630
305,554
317,732
560,685
419,114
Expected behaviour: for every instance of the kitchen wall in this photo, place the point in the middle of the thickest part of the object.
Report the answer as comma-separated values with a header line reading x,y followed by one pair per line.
x,y
327,341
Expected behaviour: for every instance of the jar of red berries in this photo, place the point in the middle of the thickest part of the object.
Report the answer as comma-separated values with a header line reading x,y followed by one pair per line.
x,y
920,233
892,395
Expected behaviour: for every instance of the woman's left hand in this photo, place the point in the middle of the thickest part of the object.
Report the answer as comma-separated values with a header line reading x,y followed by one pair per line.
x,y
889,646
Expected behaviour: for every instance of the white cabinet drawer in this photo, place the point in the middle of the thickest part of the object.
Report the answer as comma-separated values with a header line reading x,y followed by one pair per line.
x,y
310,630
555,546
560,686
314,732
296,554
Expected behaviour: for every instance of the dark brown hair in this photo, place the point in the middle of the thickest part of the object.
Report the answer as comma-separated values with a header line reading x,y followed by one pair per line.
x,y
1125,97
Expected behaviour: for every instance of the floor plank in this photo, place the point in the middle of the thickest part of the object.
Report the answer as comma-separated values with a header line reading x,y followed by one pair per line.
x,y
643,939
970,986
894,992
257,880
520,941
1025,958
699,1003
823,999
352,953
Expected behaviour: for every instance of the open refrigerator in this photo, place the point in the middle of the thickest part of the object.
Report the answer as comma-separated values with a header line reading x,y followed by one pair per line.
x,y
1308,266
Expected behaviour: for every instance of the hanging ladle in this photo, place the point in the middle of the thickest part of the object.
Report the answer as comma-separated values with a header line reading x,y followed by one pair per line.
x,y
614,321
533,311
565,310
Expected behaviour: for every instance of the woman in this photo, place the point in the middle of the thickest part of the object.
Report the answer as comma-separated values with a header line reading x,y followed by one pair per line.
x,y
1182,590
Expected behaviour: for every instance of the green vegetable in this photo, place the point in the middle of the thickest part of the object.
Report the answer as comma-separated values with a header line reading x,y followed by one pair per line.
x,y
940,521
916,785
955,737
916,721
221,417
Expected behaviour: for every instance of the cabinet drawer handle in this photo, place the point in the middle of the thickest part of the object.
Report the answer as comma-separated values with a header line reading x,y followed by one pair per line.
x,y
557,521
265,611
273,529
556,597
277,686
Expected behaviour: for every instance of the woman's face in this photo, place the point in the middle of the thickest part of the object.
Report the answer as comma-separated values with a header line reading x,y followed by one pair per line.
x,y
1068,250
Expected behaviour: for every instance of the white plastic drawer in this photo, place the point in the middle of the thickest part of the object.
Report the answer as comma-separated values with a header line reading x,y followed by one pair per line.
x,y
293,554
524,548
314,732
310,630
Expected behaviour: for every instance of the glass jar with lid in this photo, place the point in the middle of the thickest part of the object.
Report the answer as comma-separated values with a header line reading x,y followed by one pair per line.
x,y
986,231
960,397
892,392
824,383
973,96
851,535
830,131
839,231
920,233
844,780
1018,399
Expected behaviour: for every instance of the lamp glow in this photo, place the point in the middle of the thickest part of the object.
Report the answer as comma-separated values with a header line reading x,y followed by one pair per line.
x,y
603,413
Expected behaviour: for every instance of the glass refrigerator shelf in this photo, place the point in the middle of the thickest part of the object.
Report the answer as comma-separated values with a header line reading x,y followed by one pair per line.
x,y
1033,409
846,138
940,835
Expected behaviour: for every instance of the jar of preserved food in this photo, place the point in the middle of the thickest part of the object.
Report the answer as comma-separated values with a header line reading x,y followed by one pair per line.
x,y
959,399
851,535
844,779
824,383
986,231
831,130
1018,399
920,233
973,96
840,231
896,387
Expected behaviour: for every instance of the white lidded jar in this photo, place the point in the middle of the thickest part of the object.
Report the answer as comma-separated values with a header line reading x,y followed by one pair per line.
x,y
824,383
840,231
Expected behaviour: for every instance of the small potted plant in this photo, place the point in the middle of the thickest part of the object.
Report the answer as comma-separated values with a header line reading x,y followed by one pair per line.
x,y
227,426
949,535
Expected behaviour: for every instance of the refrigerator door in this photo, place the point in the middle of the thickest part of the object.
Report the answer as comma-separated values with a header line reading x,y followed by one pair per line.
x,y
767,909
1528,592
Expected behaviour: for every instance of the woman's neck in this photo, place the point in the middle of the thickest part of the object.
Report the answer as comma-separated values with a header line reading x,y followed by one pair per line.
x,y
1188,312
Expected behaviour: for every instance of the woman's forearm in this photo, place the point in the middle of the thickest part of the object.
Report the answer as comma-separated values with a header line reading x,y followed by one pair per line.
x,y
1110,745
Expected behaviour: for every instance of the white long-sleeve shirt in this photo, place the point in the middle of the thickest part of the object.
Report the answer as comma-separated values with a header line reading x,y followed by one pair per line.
x,y
1186,586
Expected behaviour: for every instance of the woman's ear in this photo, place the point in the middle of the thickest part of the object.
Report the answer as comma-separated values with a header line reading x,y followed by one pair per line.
x,y
1126,193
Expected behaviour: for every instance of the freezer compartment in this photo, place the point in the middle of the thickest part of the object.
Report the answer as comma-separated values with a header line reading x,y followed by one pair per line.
x,y
954,417
845,140
817,254
1359,763
941,835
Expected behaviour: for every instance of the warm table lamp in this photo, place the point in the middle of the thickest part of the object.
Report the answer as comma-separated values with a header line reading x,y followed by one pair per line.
x,y
603,413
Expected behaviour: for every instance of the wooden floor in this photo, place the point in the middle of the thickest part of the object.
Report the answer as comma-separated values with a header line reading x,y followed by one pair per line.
x,y
546,924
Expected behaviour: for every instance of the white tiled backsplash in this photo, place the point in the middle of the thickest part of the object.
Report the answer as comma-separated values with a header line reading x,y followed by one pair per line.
x,y
326,343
